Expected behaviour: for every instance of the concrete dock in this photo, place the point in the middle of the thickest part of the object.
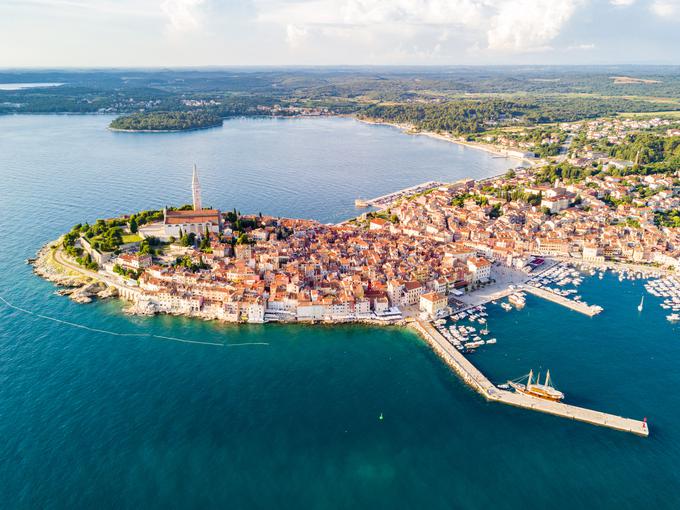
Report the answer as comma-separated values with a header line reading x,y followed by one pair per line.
x,y
474,378
385,200
589,310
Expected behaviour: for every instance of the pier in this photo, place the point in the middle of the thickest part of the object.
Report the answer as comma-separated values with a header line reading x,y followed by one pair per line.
x,y
478,381
589,310
385,200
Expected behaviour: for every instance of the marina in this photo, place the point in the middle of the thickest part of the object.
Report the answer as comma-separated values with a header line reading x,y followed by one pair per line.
x,y
550,285
577,306
478,381
669,289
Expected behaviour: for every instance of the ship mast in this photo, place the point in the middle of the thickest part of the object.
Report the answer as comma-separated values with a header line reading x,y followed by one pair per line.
x,y
531,374
547,378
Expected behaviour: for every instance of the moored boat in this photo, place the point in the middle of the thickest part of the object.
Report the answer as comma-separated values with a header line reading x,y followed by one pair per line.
x,y
544,391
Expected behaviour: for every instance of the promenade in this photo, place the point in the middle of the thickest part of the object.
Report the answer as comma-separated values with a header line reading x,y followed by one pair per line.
x,y
478,381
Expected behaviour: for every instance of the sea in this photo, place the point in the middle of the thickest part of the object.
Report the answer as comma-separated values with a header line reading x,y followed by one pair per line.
x,y
102,410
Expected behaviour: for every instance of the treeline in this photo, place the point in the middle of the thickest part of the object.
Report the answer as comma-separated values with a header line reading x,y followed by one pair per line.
x,y
565,172
167,121
473,116
459,117
649,149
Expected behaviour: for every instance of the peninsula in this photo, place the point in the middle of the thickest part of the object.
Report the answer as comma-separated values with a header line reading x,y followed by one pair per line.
x,y
436,250
415,257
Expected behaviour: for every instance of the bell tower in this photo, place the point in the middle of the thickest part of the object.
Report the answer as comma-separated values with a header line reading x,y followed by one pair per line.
x,y
196,190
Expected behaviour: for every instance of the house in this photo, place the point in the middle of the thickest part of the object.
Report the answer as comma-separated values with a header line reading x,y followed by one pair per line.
x,y
433,303
412,291
378,224
556,203
134,261
480,269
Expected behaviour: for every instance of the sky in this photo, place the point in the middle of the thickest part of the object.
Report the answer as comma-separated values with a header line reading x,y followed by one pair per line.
x,y
152,33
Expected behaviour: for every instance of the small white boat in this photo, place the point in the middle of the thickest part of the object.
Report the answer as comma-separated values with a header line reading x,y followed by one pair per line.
x,y
642,301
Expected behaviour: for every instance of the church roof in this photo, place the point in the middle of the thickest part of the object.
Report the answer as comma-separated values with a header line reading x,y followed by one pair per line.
x,y
202,216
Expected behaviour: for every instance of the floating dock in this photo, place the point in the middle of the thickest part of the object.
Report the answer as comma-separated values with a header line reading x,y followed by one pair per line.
x,y
589,310
474,378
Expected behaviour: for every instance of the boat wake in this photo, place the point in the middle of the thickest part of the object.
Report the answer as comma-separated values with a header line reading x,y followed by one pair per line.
x,y
115,333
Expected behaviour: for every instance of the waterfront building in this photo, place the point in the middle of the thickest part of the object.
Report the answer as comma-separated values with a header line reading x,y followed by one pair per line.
x,y
432,304
480,269
412,292
134,261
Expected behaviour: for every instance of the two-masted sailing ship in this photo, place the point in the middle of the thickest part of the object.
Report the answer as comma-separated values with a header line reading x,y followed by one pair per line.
x,y
537,389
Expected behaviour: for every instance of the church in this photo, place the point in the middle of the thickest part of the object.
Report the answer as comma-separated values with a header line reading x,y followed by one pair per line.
x,y
197,220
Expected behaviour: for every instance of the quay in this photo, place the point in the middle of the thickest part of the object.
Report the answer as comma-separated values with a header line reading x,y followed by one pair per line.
x,y
589,310
475,379
385,200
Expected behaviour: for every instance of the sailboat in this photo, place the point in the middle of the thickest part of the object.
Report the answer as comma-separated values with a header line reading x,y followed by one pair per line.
x,y
485,331
545,391
642,301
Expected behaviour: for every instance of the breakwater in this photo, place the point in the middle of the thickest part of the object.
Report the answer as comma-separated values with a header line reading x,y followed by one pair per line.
x,y
478,381
586,309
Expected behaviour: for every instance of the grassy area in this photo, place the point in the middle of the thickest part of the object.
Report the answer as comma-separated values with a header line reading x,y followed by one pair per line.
x,y
131,238
647,115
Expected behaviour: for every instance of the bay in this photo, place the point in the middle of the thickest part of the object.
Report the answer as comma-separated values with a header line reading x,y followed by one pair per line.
x,y
90,419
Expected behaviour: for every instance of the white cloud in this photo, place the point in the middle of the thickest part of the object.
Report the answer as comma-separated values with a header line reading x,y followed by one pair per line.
x,y
666,8
139,8
371,12
581,47
183,15
528,25
622,3
296,35
506,25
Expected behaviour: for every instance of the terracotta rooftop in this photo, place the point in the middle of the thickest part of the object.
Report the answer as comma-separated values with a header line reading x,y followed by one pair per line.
x,y
203,216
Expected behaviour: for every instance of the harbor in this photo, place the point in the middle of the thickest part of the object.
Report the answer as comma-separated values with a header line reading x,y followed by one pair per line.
x,y
479,382
577,306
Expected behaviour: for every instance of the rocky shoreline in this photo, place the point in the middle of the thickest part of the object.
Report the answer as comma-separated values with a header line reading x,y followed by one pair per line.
x,y
85,289
78,287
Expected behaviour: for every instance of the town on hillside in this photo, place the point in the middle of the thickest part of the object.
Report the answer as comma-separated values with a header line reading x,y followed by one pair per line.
x,y
420,256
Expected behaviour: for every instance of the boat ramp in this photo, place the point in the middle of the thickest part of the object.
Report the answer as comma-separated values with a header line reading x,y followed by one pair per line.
x,y
474,378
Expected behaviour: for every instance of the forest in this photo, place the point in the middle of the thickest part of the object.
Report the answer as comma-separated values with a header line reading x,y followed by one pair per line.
x,y
167,121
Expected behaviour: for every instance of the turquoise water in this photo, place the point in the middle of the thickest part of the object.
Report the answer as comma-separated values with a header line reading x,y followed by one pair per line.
x,y
92,420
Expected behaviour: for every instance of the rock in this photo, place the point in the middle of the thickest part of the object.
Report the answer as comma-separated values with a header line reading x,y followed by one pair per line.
x,y
108,292
80,298
141,308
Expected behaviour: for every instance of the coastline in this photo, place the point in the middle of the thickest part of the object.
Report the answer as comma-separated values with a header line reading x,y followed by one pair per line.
x,y
198,128
409,129
84,286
